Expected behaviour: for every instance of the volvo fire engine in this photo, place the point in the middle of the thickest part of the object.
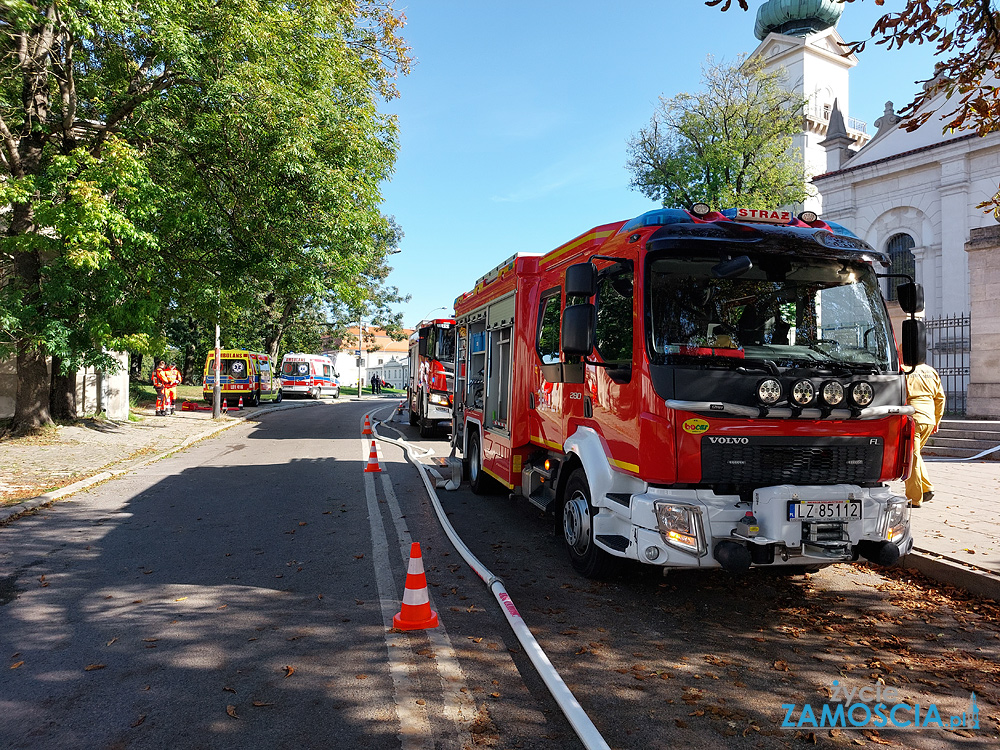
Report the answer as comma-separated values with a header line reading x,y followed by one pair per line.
x,y
694,389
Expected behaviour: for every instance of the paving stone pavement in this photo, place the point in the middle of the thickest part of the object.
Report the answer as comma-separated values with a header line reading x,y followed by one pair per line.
x,y
79,451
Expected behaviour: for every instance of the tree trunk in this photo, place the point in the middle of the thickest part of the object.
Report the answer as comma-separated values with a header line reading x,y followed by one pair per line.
x,y
63,393
190,350
135,368
31,405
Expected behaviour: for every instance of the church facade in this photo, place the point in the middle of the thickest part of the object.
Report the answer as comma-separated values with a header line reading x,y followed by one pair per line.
x,y
912,194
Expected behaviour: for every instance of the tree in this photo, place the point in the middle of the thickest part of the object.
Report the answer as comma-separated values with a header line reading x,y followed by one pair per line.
x,y
966,35
730,144
159,158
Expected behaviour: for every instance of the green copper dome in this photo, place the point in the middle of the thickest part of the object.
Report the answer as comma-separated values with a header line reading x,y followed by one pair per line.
x,y
796,17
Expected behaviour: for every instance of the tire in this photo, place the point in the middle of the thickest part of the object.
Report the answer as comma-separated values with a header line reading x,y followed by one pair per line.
x,y
336,392
426,426
578,530
412,415
278,397
254,399
480,482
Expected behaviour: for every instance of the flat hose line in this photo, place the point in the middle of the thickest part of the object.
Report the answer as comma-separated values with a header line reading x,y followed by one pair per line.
x,y
563,696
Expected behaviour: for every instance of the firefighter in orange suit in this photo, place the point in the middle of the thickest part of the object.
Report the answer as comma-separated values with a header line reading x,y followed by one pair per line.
x,y
925,394
161,380
175,379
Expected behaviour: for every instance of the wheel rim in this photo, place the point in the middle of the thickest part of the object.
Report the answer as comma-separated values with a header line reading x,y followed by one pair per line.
x,y
576,522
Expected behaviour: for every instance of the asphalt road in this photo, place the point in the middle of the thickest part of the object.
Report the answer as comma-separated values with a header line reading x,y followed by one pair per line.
x,y
240,595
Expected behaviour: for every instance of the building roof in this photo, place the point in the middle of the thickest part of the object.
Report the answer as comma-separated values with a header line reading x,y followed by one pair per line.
x,y
379,341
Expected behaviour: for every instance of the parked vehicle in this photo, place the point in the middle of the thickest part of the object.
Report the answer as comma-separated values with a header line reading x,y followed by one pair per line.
x,y
432,374
244,374
694,389
309,375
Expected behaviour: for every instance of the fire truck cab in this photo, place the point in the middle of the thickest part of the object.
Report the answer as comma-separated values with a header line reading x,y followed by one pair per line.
x,y
432,373
694,389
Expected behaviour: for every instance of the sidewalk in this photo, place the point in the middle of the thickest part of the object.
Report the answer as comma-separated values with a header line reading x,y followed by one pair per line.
x,y
37,470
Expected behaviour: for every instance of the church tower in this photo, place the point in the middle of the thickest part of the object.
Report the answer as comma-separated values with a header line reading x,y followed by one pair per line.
x,y
800,37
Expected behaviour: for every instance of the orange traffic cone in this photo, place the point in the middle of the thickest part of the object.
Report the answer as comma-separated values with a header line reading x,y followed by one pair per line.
x,y
225,406
415,612
399,409
368,427
240,405
372,461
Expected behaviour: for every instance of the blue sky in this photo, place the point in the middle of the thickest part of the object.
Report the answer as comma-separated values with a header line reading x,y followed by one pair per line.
x,y
514,120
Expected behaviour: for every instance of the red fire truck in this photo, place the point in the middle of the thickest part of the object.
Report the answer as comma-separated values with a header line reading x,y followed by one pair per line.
x,y
694,389
432,373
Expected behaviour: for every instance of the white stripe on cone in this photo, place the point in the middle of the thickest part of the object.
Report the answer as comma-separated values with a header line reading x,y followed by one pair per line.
x,y
416,566
415,597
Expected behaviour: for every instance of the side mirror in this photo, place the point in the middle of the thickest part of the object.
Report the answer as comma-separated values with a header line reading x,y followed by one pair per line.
x,y
578,324
581,280
729,269
914,342
911,297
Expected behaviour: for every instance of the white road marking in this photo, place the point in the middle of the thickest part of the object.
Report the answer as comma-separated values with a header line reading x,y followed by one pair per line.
x,y
458,706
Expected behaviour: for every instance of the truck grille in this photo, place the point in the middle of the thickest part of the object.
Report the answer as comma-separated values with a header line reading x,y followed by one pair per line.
x,y
765,461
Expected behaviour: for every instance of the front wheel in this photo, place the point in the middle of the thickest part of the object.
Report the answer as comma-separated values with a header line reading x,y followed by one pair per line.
x,y
578,530
336,392
278,397
426,425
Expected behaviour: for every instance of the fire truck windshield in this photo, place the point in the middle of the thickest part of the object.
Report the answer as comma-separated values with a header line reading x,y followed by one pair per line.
x,y
441,344
789,311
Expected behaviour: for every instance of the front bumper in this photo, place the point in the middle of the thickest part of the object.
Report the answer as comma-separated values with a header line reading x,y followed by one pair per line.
x,y
705,527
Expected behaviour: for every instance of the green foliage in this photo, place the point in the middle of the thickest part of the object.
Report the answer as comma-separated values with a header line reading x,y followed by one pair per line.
x,y
730,144
185,161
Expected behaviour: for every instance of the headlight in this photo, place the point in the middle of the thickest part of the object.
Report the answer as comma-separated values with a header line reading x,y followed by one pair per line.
x,y
680,527
896,519
437,398
833,392
862,394
768,391
803,392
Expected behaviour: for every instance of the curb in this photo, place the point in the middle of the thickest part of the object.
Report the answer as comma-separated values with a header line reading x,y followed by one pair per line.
x,y
12,512
975,580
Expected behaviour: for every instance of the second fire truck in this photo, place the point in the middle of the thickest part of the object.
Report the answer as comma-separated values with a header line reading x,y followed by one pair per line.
x,y
694,389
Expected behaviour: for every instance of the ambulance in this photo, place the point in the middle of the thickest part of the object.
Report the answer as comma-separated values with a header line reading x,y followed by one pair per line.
x,y
309,375
243,374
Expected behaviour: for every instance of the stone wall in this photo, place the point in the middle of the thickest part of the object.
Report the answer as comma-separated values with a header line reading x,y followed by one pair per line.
x,y
983,249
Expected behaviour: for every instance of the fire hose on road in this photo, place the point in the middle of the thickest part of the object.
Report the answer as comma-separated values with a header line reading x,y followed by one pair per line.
x,y
563,696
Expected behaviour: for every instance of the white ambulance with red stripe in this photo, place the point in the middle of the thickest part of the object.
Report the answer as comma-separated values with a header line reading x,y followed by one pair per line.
x,y
309,375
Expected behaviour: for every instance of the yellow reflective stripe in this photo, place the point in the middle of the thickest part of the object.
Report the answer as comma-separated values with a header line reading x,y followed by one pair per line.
x,y
624,465
547,443
559,252
504,482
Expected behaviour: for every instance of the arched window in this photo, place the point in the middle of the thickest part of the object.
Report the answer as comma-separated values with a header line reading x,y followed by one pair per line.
x,y
901,260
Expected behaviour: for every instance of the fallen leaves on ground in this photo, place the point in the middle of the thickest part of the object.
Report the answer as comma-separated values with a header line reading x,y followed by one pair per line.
x,y
231,710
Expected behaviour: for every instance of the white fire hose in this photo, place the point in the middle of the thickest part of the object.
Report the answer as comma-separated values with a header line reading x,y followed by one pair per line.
x,y
563,696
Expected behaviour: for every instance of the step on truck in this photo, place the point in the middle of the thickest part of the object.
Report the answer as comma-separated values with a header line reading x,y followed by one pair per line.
x,y
695,389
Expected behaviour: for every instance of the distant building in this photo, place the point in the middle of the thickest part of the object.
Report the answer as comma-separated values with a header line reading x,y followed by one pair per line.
x,y
375,351
396,372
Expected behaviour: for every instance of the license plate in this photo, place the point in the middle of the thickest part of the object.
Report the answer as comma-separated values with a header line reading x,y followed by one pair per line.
x,y
825,510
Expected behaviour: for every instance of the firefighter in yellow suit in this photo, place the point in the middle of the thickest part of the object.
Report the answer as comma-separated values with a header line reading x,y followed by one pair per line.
x,y
925,394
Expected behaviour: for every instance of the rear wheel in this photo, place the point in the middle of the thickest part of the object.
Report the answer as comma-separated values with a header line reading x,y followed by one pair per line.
x,y
480,482
254,399
578,530
278,397
412,414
